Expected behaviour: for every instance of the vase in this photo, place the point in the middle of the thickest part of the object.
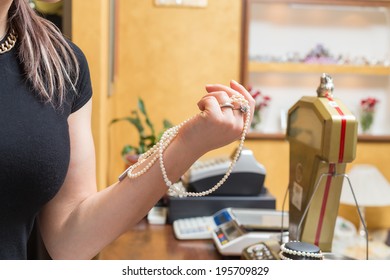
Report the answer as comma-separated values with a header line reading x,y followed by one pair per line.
x,y
366,121
256,119
257,124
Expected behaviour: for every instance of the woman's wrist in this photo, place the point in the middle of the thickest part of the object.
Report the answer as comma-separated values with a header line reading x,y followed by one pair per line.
x,y
193,139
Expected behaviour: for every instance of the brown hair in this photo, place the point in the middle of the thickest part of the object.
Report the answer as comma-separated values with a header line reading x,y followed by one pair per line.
x,y
48,61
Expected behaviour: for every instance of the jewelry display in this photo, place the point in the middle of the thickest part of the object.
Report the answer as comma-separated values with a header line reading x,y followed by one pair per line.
x,y
156,152
9,43
296,250
319,54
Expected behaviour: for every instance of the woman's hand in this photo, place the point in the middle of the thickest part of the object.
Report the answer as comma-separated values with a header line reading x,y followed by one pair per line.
x,y
215,127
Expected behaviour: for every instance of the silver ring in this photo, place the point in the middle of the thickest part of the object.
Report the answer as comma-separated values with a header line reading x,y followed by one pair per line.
x,y
227,105
242,108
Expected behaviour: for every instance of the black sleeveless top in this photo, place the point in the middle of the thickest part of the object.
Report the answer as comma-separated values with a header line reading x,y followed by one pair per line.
x,y
34,150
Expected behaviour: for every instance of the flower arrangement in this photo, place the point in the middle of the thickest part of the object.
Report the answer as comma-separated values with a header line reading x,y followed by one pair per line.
x,y
262,101
140,120
367,107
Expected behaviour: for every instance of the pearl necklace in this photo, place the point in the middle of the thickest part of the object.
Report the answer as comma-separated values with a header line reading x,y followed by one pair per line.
x,y
156,152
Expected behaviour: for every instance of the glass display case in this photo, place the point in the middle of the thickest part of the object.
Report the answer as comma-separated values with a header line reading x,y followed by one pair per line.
x,y
287,45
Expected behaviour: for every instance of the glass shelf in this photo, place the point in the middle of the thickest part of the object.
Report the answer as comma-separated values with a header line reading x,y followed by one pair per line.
x,y
282,137
286,30
267,67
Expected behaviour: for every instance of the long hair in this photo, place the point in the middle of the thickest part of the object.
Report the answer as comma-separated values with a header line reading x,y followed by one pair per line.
x,y
49,63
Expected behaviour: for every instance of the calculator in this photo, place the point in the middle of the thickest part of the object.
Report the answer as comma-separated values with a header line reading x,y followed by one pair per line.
x,y
204,227
201,227
194,228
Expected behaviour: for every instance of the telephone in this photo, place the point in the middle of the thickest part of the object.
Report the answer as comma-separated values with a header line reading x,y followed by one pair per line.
x,y
247,177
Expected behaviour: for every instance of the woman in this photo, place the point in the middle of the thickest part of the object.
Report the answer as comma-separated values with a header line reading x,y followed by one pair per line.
x,y
47,158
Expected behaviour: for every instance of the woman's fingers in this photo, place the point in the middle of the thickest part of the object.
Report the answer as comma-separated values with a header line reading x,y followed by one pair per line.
x,y
208,104
219,87
220,97
241,89
235,88
222,118
218,101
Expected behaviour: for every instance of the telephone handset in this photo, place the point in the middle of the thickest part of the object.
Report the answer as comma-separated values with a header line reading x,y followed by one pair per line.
x,y
247,177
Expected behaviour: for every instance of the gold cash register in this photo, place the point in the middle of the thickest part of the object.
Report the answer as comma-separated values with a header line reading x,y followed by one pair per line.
x,y
322,133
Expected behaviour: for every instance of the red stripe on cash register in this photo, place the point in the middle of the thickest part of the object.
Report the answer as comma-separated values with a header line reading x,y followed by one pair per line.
x,y
343,127
324,202
331,168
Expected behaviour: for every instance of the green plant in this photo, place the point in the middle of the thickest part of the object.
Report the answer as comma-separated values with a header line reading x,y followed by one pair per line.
x,y
148,137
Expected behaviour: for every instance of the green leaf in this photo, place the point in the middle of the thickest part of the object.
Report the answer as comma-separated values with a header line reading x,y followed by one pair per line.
x,y
167,124
136,121
141,106
127,149
149,140
145,141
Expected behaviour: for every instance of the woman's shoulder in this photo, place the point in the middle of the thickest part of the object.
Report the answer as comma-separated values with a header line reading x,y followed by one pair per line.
x,y
83,85
80,55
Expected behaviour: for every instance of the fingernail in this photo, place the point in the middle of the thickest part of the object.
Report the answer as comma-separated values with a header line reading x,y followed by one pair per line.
x,y
234,81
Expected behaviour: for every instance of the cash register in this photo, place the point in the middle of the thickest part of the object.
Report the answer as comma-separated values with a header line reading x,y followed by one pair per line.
x,y
243,189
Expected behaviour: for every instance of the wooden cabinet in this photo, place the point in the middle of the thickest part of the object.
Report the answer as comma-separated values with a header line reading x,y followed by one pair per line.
x,y
287,45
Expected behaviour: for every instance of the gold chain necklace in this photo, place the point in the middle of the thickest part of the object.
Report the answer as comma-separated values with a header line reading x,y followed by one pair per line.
x,y
9,43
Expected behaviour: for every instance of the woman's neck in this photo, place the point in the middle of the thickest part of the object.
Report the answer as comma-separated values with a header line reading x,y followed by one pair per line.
x,y
4,7
3,31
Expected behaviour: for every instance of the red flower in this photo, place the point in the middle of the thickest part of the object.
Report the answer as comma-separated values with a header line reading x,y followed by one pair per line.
x,y
368,104
261,99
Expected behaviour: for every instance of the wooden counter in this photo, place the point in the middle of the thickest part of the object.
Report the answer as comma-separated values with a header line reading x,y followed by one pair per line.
x,y
157,242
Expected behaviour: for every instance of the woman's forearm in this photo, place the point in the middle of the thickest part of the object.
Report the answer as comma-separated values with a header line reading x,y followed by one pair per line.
x,y
104,216
77,224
